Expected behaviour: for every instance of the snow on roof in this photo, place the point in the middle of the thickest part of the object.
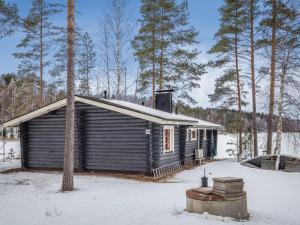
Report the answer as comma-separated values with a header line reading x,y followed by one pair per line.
x,y
124,107
162,114
151,111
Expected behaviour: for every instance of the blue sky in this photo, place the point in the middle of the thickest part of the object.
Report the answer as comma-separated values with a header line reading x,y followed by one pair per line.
x,y
203,16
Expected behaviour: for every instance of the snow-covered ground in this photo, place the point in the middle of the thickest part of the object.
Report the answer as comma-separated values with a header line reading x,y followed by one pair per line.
x,y
290,144
34,198
11,149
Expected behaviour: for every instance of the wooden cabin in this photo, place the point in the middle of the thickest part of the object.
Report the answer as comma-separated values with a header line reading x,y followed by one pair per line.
x,y
113,135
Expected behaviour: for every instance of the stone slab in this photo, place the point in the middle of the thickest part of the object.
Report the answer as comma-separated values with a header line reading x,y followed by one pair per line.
x,y
227,179
203,190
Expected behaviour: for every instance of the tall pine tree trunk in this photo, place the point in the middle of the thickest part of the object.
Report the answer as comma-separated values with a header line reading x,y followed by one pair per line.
x,y
68,172
253,84
41,55
153,56
272,77
161,76
238,91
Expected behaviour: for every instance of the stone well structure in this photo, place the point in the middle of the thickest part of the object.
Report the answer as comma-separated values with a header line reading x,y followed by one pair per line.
x,y
226,198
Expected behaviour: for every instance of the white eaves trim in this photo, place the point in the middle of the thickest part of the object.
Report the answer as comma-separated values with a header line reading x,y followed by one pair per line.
x,y
63,102
131,112
35,113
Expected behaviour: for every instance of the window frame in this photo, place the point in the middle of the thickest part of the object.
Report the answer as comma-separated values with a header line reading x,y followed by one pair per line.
x,y
188,132
172,137
196,132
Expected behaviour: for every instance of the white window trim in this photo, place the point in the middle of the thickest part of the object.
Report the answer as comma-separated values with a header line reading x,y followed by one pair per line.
x,y
193,130
187,134
172,140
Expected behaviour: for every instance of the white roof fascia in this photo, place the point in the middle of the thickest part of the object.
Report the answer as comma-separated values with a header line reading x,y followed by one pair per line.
x,y
35,113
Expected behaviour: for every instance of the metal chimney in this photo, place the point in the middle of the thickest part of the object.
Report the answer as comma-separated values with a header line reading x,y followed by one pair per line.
x,y
163,100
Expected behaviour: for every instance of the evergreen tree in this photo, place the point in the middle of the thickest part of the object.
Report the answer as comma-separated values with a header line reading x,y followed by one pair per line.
x,y
279,40
68,170
58,70
165,48
269,27
229,88
9,18
39,32
253,16
86,64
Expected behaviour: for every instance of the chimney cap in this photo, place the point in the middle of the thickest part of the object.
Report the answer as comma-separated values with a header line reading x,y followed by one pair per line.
x,y
162,91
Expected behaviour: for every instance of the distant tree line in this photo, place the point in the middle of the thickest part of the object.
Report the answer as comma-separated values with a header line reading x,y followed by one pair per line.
x,y
227,118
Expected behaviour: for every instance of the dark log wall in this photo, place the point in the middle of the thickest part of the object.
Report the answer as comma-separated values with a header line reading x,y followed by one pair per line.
x,y
107,140
190,147
114,141
161,159
43,141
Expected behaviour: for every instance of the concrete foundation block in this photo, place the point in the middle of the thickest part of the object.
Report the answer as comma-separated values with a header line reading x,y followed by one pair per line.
x,y
228,208
292,166
268,164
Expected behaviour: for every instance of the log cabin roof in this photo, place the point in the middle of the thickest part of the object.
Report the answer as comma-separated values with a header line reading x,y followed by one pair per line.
x,y
124,107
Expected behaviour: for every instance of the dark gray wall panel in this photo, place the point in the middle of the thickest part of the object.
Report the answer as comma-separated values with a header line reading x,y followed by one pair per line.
x,y
161,159
45,140
107,140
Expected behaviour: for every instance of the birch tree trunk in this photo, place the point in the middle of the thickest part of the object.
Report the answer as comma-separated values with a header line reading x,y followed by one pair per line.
x,y
272,77
118,47
280,112
106,57
68,171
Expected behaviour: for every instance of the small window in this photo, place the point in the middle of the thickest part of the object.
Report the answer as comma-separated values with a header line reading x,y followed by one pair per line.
x,y
193,134
168,139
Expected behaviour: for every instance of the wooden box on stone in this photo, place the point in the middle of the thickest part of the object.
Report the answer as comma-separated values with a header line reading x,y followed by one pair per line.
x,y
228,187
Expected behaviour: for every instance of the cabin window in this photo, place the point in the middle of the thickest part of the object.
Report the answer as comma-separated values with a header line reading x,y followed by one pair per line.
x,y
168,139
193,134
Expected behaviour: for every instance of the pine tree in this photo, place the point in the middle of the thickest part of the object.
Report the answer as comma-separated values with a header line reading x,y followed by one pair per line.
x,y
39,33
9,19
145,45
68,171
165,48
228,49
253,15
86,64
269,28
58,69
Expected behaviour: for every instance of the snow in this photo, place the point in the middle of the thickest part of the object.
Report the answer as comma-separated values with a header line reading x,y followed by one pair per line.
x,y
10,164
34,198
162,114
290,144
11,146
